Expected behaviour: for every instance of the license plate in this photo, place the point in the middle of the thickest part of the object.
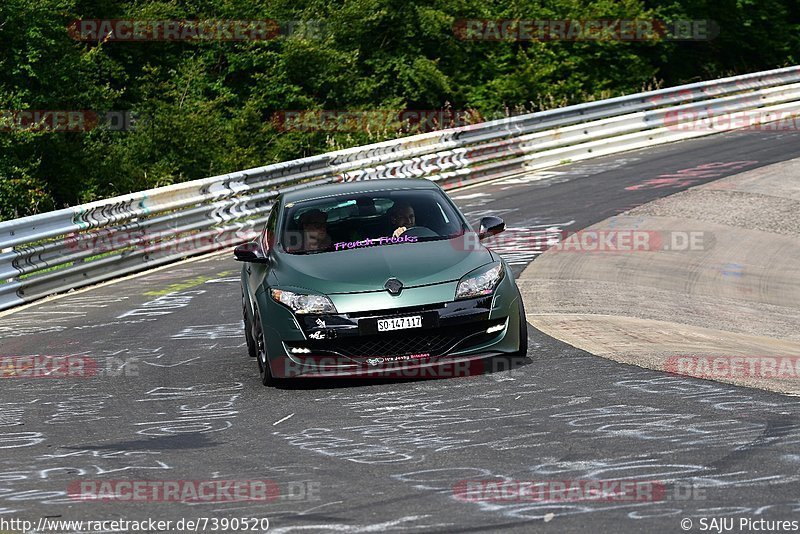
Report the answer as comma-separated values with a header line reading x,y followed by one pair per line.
x,y
399,323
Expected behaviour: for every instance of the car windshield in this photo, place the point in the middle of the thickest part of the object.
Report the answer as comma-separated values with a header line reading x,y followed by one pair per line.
x,y
368,219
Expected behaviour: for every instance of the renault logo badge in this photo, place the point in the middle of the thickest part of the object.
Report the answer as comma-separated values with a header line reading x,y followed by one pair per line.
x,y
393,286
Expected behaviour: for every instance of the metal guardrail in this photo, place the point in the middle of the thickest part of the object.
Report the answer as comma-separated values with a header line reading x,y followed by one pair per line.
x,y
86,244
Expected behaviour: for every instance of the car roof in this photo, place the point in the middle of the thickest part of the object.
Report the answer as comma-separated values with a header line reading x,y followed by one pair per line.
x,y
327,190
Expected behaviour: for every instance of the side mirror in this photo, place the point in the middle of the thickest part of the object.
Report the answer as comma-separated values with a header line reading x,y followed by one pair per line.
x,y
491,226
250,252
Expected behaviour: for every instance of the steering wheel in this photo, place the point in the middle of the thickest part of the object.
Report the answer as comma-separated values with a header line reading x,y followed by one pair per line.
x,y
419,231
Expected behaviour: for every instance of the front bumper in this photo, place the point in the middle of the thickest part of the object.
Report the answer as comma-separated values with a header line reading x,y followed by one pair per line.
x,y
452,334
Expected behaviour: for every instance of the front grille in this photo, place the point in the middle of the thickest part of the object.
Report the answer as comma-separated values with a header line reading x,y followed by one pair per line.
x,y
435,345
436,342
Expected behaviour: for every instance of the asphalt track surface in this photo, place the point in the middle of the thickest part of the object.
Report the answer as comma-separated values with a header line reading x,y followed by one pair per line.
x,y
177,398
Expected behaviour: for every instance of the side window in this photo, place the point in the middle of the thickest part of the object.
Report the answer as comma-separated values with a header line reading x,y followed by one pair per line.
x,y
268,238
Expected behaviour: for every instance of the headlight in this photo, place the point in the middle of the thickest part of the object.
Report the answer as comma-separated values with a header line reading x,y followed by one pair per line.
x,y
480,282
301,304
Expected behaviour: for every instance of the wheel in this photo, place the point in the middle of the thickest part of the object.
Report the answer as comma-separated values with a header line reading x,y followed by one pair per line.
x,y
523,329
261,352
419,231
248,330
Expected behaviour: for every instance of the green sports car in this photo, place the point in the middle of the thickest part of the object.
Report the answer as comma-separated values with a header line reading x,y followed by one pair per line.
x,y
376,278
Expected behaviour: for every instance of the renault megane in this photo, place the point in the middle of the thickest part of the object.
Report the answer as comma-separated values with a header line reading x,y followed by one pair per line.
x,y
371,277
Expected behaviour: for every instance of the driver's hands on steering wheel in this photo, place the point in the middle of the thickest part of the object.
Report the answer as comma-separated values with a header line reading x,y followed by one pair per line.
x,y
399,231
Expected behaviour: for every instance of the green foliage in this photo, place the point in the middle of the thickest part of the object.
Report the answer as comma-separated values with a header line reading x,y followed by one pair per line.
x,y
205,107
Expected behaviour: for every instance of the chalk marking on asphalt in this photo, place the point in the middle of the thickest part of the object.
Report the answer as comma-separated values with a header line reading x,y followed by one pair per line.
x,y
282,420
304,512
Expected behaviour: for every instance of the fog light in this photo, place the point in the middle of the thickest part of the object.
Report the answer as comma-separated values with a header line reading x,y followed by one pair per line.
x,y
495,328
300,350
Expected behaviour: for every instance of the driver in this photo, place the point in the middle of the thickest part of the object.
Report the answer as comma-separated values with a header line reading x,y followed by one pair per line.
x,y
315,230
402,218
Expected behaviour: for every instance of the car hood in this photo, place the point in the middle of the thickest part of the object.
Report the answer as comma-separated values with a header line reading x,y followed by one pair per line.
x,y
368,268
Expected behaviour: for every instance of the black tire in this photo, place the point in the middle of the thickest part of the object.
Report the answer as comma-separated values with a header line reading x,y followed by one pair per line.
x,y
248,330
523,329
261,352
